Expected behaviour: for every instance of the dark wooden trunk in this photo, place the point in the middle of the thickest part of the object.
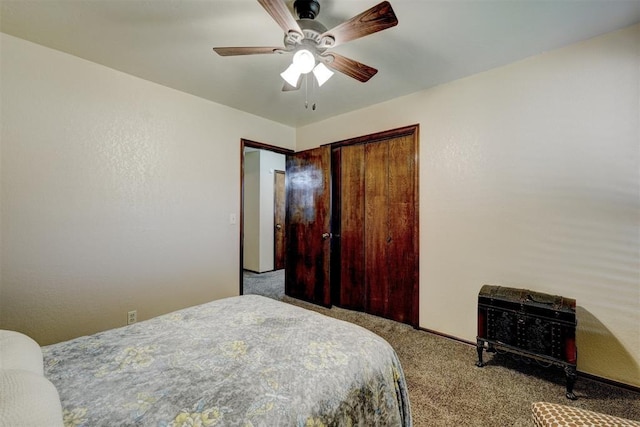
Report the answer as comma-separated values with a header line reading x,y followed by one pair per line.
x,y
535,325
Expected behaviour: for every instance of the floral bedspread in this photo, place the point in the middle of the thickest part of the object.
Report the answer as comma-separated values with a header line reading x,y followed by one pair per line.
x,y
240,361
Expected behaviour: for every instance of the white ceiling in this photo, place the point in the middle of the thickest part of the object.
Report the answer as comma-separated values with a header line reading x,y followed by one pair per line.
x,y
170,42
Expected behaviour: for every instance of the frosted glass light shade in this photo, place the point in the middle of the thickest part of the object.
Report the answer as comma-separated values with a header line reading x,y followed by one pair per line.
x,y
322,74
291,75
304,61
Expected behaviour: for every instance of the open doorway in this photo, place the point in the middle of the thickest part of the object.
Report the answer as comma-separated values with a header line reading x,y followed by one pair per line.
x,y
262,227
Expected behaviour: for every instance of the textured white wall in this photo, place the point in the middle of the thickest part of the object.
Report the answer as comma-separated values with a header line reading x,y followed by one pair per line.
x,y
116,194
529,177
251,248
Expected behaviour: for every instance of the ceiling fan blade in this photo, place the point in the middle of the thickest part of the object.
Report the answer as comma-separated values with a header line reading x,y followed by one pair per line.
x,y
235,51
280,13
350,67
378,18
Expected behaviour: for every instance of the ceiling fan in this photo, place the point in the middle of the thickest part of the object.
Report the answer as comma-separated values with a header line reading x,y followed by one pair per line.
x,y
310,41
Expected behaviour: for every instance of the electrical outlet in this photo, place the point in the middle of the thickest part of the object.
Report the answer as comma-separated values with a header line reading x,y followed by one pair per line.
x,y
132,317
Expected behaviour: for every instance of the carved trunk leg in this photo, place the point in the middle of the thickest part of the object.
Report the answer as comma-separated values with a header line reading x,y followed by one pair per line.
x,y
570,372
480,347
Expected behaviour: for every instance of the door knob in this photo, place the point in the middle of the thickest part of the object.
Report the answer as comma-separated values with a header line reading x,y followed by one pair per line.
x,y
325,236
278,227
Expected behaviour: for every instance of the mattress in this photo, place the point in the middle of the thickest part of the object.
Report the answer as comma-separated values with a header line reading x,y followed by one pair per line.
x,y
240,361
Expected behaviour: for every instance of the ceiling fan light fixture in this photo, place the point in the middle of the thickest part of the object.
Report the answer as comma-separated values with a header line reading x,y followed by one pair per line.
x,y
291,75
322,73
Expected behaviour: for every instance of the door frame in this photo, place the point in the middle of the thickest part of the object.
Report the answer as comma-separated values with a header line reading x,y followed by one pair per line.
x,y
244,143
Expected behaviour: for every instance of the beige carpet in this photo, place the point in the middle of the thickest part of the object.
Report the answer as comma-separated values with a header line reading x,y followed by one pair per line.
x,y
447,389
269,284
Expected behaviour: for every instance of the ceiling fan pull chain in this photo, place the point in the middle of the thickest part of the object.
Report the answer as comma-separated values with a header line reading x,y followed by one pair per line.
x,y
313,94
306,91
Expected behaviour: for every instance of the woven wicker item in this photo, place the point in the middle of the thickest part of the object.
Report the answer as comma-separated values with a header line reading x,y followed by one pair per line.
x,y
554,415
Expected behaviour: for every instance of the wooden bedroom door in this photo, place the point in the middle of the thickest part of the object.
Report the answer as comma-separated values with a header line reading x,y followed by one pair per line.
x,y
308,226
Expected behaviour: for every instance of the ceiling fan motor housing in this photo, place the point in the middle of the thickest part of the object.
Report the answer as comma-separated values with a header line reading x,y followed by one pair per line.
x,y
311,32
306,9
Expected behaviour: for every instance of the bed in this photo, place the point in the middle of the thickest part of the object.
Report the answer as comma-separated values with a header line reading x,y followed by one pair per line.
x,y
239,361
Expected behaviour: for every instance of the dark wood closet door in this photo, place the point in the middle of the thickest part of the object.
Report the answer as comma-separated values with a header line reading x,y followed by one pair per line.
x,y
376,269
390,225
308,225
376,225
402,239
352,244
